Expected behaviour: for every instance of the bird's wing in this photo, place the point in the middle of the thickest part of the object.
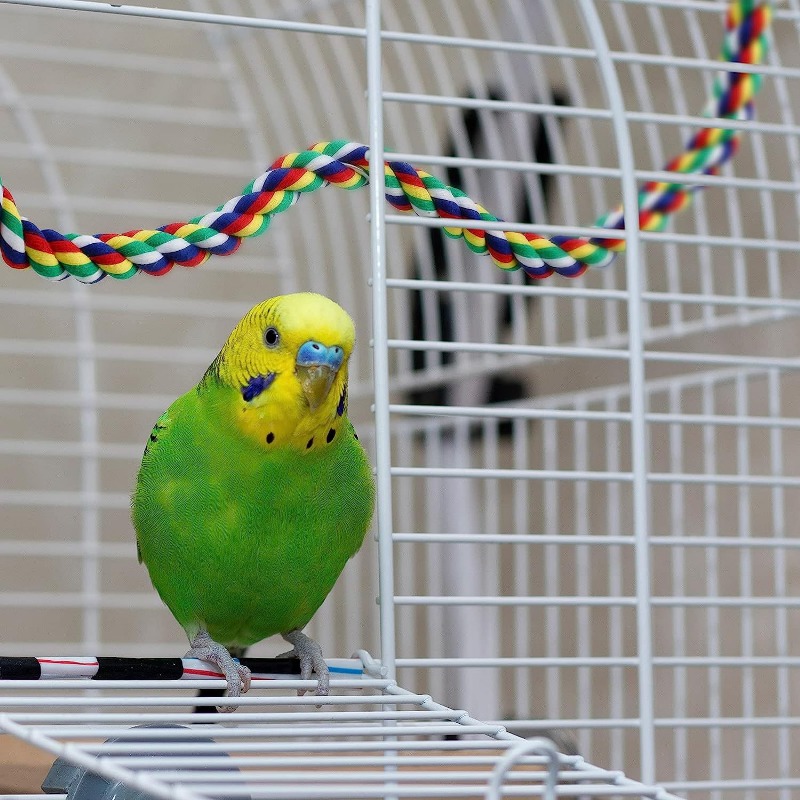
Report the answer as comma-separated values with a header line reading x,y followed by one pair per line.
x,y
160,430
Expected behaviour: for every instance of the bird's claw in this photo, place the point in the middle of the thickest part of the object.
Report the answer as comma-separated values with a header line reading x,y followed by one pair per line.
x,y
237,675
311,661
245,677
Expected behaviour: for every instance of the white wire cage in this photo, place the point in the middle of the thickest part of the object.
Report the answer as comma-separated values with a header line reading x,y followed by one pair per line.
x,y
587,486
370,738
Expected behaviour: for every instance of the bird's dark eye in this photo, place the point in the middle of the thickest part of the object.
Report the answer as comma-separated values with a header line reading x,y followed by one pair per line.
x,y
271,337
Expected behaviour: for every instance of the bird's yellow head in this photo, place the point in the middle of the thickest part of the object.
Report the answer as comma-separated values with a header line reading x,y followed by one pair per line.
x,y
287,360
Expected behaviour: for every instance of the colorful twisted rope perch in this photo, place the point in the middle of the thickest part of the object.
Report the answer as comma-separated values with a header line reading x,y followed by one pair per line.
x,y
55,256
746,41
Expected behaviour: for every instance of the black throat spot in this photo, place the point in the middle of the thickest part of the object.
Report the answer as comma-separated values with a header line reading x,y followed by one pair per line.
x,y
342,402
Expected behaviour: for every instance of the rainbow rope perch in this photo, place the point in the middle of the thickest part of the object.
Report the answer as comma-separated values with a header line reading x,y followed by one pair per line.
x,y
55,256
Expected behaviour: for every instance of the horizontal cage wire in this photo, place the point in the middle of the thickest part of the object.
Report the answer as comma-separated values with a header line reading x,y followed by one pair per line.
x,y
588,486
370,738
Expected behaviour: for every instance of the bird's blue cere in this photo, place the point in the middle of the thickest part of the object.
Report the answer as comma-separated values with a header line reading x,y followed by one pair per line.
x,y
256,385
314,354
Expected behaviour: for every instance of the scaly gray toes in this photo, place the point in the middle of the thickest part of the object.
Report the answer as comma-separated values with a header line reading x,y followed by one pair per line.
x,y
236,675
244,675
311,661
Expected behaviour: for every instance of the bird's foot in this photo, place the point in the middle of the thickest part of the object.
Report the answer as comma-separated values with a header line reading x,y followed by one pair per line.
x,y
237,675
311,660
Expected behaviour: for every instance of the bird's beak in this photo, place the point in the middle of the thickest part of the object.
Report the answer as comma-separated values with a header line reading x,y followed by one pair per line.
x,y
316,383
316,367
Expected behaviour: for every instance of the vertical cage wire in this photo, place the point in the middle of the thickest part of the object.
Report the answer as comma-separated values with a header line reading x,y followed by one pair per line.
x,y
636,377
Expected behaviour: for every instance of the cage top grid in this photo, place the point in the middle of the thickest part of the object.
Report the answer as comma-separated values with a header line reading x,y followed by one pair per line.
x,y
369,738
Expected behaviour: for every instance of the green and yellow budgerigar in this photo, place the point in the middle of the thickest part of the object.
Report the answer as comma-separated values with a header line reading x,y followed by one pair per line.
x,y
254,490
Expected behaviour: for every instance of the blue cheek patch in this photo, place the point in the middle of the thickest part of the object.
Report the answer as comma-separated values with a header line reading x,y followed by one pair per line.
x,y
342,402
256,385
